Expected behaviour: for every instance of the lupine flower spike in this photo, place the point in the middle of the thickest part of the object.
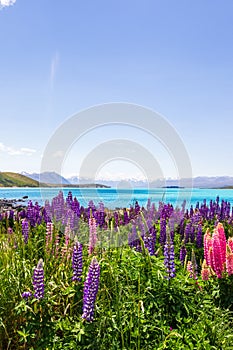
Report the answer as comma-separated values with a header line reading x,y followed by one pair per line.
x,y
205,271
77,262
38,280
92,235
91,286
229,261
169,257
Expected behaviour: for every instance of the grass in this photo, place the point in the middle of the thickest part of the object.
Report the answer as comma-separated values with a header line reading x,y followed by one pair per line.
x,y
9,179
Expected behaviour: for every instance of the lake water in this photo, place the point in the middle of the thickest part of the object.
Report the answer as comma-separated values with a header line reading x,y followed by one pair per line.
x,y
113,197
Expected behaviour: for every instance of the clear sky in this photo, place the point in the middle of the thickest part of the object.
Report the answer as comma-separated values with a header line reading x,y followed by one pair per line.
x,y
59,57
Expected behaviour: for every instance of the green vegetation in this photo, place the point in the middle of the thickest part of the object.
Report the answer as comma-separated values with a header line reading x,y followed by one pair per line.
x,y
9,179
137,306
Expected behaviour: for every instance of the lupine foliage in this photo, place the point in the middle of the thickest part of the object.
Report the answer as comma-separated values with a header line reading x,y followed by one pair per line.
x,y
136,278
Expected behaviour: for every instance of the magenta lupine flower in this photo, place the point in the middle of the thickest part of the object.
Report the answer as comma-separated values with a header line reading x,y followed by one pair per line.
x,y
77,261
222,241
38,280
229,261
91,286
217,255
92,235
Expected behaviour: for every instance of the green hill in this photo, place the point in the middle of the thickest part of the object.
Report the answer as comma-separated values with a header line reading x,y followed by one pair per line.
x,y
9,179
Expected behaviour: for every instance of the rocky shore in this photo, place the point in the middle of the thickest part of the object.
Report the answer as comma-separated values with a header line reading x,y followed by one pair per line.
x,y
6,204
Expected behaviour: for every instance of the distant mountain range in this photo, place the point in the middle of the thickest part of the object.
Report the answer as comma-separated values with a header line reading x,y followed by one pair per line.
x,y
47,177
197,182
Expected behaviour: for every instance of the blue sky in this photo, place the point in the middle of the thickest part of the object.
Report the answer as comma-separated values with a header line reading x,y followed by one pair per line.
x,y
175,57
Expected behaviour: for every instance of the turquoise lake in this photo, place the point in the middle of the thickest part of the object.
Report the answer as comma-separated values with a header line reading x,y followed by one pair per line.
x,y
113,197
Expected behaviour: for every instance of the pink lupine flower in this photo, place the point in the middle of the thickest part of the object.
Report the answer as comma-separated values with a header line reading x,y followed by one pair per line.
x,y
92,235
222,240
190,268
205,272
229,260
207,246
230,243
211,258
217,255
49,233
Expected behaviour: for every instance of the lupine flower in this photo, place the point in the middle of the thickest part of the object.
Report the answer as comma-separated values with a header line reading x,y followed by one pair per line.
x,y
92,235
217,254
188,232
162,237
183,253
230,243
77,261
26,295
133,239
190,268
151,238
194,265
229,260
222,241
49,233
25,230
207,246
205,271
199,236
169,257
38,280
91,286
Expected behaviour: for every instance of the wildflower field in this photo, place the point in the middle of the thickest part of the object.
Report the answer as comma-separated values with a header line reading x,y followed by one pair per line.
x,y
157,277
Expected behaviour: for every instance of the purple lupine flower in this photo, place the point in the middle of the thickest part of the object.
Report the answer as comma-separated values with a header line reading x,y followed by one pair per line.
x,y
92,235
77,261
30,214
57,206
137,208
38,280
125,217
183,253
99,215
91,208
133,239
11,214
91,286
69,199
26,295
47,212
25,230
162,237
76,207
169,257
150,237
187,232
199,239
